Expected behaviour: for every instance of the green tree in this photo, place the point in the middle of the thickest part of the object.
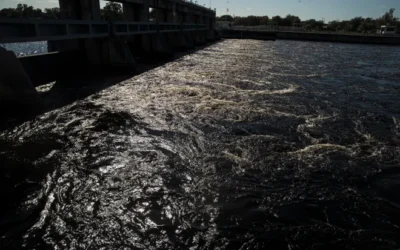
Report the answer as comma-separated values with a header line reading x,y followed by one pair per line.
x,y
251,20
346,26
228,18
52,13
112,11
290,20
369,25
22,11
37,13
334,25
264,20
313,25
25,10
355,23
8,12
276,20
388,17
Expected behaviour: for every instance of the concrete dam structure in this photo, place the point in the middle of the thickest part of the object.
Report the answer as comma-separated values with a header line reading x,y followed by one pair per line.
x,y
80,41
80,37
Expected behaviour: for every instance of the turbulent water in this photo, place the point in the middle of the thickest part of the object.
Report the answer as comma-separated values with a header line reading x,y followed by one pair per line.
x,y
28,48
241,145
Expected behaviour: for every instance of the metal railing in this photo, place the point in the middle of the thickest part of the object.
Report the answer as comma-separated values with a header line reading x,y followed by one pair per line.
x,y
28,30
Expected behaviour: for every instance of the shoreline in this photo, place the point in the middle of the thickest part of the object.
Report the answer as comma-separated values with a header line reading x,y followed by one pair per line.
x,y
338,38
308,36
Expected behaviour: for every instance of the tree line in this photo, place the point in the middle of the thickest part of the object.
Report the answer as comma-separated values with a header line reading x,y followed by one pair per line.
x,y
357,24
111,11
25,11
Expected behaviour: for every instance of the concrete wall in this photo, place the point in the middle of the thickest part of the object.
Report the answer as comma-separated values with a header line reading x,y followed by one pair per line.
x,y
46,68
17,94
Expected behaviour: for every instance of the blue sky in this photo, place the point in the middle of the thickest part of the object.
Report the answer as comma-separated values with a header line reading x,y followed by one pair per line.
x,y
306,9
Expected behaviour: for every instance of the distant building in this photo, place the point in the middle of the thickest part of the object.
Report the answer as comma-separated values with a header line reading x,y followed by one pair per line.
x,y
389,30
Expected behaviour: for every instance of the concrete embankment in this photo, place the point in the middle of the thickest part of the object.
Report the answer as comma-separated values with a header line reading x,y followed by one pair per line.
x,y
45,68
341,38
248,34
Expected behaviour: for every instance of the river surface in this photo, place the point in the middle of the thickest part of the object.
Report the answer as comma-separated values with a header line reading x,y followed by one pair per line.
x,y
25,49
241,145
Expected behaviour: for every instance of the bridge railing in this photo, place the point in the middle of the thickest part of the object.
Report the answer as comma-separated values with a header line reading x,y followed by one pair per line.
x,y
28,30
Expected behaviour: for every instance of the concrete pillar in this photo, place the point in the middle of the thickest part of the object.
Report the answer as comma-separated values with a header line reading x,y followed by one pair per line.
x,y
161,15
142,12
176,39
134,12
129,12
199,36
172,15
189,18
186,38
74,10
210,28
159,44
96,52
189,35
80,9
152,45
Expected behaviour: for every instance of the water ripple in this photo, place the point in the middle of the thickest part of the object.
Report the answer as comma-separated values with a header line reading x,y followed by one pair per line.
x,y
242,145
